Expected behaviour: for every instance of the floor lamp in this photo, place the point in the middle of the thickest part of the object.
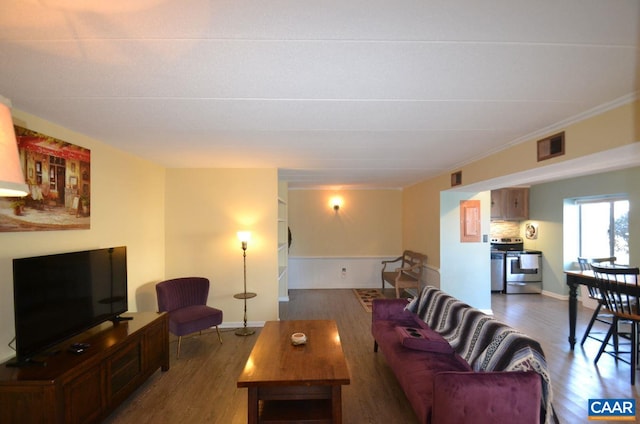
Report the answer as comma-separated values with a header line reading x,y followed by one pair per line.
x,y
244,237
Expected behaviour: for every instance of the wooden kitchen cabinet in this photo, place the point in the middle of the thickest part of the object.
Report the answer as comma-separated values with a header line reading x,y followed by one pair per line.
x,y
497,204
85,388
517,204
510,204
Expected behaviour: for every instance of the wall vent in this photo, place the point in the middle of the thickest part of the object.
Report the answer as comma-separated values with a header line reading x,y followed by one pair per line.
x,y
456,178
551,147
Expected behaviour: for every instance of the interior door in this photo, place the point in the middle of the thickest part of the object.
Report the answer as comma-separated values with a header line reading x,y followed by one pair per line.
x,y
60,182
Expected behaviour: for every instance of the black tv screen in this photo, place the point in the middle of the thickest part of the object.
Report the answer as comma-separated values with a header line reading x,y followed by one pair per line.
x,y
59,296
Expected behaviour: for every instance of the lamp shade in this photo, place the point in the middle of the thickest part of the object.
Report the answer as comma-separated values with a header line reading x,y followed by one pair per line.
x,y
244,236
11,179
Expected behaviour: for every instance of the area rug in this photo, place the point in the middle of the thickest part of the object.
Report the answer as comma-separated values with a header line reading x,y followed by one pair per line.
x,y
366,296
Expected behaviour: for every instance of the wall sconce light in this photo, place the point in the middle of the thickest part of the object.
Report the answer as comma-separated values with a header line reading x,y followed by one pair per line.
x,y
336,203
11,178
244,237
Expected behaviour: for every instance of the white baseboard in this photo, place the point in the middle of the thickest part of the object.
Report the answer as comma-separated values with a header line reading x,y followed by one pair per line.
x,y
555,295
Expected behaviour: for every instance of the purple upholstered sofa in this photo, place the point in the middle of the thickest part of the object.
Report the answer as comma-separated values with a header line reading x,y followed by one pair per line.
x,y
458,365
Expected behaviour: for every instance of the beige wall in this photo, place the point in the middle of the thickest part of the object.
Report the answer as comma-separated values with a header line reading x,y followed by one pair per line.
x,y
126,209
611,129
421,202
368,223
205,208
421,218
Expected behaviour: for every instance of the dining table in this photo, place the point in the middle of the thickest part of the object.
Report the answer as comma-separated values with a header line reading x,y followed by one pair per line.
x,y
575,279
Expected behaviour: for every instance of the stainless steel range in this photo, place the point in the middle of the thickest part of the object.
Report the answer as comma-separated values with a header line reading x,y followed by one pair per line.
x,y
521,269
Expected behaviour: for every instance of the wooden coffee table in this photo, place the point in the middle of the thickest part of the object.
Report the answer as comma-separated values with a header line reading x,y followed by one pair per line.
x,y
298,383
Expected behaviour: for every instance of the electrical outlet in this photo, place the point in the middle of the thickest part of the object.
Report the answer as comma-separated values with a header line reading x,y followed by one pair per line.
x,y
344,272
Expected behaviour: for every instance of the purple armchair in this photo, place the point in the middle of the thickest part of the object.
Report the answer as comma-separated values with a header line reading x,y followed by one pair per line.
x,y
185,300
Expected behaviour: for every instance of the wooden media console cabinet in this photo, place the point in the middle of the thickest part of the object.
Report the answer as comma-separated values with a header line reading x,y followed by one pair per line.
x,y
85,388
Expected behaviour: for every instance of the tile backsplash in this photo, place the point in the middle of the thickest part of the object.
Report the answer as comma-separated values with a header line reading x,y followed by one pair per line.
x,y
504,229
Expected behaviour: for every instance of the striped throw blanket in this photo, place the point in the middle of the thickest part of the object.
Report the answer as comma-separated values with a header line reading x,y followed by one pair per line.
x,y
484,342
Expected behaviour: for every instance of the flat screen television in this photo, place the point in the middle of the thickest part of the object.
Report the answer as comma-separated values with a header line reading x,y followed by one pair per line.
x,y
59,296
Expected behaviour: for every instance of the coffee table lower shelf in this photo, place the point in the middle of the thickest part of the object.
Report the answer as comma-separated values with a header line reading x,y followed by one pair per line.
x,y
317,411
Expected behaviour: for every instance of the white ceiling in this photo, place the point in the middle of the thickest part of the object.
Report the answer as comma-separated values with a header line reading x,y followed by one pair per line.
x,y
341,93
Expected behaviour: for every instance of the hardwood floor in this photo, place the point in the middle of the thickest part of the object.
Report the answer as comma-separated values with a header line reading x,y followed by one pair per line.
x,y
200,387
575,378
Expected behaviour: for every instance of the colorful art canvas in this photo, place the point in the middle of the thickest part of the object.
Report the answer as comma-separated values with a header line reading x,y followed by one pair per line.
x,y
58,174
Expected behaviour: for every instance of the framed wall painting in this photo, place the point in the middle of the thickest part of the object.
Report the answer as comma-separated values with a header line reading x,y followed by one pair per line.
x,y
57,174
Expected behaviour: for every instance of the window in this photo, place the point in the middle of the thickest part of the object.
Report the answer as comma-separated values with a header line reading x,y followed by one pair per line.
x,y
604,228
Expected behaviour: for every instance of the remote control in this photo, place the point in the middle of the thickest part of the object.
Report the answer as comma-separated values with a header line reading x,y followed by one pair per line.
x,y
80,345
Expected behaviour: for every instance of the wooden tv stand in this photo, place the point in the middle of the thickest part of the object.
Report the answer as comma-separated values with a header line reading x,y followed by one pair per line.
x,y
86,387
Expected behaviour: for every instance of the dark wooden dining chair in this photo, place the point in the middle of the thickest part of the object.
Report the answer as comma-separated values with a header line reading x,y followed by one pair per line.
x,y
620,292
598,313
